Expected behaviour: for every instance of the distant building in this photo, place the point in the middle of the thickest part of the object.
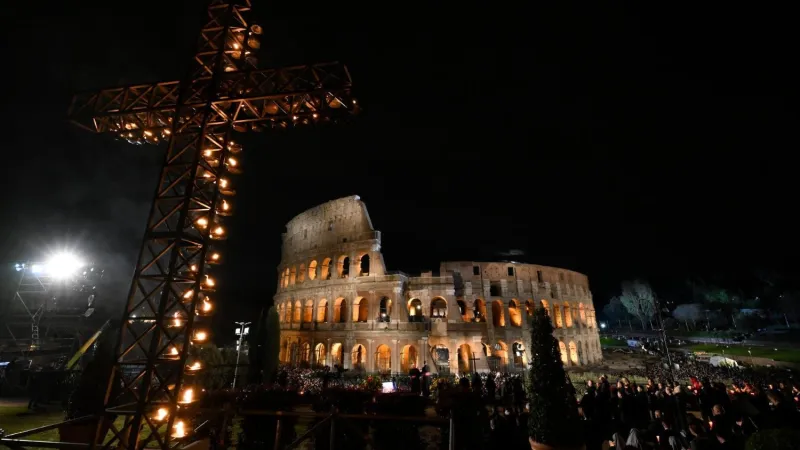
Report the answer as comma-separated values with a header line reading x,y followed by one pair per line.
x,y
338,304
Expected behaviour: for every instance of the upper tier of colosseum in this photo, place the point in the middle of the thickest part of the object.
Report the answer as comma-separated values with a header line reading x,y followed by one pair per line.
x,y
336,240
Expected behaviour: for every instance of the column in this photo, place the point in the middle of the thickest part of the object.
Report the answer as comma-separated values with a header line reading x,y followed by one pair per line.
x,y
423,351
369,360
453,356
346,353
395,355
328,353
399,306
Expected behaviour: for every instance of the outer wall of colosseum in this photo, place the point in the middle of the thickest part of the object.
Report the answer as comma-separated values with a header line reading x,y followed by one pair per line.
x,y
339,305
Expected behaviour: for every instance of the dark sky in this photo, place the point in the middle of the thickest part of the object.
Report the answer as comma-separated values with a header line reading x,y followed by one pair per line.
x,y
619,141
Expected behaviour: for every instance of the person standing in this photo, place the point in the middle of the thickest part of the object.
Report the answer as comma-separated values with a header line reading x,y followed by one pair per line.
x,y
426,380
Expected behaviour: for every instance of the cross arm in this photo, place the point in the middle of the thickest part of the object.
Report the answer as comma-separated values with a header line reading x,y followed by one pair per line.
x,y
275,97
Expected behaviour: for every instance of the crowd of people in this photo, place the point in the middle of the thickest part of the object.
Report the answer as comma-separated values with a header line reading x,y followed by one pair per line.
x,y
700,414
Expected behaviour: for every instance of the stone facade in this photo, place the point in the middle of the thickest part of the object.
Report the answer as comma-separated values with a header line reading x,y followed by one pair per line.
x,y
338,304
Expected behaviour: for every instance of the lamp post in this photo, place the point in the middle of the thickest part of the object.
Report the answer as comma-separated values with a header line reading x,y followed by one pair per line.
x,y
242,331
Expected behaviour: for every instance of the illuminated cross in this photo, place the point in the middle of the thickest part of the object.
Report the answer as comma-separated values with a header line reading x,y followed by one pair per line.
x,y
197,118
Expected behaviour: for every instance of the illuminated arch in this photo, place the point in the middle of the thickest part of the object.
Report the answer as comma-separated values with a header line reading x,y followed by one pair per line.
x,y
573,352
514,313
308,311
360,310
383,359
301,273
408,358
296,312
415,310
322,311
312,270
567,315
358,357
563,349
319,354
325,271
438,308
498,316
340,310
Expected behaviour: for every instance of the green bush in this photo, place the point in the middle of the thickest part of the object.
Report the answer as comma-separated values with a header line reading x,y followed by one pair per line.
x,y
554,411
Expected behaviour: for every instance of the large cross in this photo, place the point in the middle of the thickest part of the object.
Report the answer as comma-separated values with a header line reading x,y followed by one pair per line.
x,y
171,295
474,365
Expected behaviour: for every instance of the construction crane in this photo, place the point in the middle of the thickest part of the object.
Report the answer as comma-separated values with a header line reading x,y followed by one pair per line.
x,y
170,299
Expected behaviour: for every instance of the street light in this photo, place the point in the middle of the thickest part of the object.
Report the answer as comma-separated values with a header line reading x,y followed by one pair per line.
x,y
242,331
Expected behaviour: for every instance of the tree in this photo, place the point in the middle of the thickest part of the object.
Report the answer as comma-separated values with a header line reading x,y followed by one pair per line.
x,y
554,415
272,346
689,312
639,300
615,311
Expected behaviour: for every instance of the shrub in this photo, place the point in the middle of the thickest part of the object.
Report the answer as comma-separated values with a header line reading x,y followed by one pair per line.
x,y
779,439
554,414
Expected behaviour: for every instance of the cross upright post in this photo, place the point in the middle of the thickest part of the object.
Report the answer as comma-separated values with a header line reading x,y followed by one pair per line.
x,y
166,316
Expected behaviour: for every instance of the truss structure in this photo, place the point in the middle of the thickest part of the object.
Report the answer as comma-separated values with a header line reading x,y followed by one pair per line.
x,y
171,295
60,305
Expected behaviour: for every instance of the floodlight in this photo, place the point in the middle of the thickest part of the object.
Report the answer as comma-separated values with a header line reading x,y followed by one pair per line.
x,y
62,265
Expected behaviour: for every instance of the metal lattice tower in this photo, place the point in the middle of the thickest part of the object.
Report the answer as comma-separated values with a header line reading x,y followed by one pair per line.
x,y
61,305
171,296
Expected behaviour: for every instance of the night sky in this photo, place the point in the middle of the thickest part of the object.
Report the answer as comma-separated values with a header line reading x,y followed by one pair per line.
x,y
619,141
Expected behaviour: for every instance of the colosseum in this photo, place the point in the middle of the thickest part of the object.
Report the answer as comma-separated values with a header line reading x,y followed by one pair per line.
x,y
338,305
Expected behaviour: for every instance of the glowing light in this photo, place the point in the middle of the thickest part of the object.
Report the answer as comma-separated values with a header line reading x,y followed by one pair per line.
x,y
193,267
206,306
179,430
208,153
210,281
219,231
61,266
194,367
225,205
187,396
161,414
202,222
232,162
200,336
315,115
176,319
188,294
223,183
214,256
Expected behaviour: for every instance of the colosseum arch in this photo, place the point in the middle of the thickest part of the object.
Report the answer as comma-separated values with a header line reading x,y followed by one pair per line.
x,y
514,313
567,315
308,311
322,311
358,357
360,310
530,308
297,311
325,271
500,351
582,314
408,358
383,359
340,310
284,351
463,311
305,354
337,357
415,310
385,309
320,354
559,323
312,270
292,275
573,352
546,307
438,308
282,313
464,359
498,318
479,310
563,349
581,353
363,265
301,273
343,266
518,353
285,278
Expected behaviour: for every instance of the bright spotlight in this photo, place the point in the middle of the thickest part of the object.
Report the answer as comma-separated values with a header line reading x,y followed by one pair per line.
x,y
602,325
63,265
